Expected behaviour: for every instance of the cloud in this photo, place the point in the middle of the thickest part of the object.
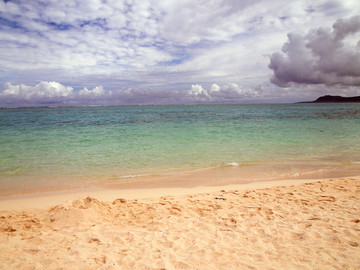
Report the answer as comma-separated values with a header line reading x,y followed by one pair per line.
x,y
97,37
320,56
57,94
97,91
230,93
49,92
54,93
84,35
156,46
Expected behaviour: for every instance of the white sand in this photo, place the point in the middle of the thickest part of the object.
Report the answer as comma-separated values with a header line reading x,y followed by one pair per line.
x,y
304,226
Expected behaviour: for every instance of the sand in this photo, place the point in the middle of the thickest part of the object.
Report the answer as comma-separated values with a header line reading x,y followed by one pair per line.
x,y
313,225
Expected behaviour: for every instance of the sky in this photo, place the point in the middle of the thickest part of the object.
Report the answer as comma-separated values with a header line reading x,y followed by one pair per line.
x,y
123,52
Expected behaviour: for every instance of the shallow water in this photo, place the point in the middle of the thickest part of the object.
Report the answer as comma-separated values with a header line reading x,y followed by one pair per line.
x,y
78,146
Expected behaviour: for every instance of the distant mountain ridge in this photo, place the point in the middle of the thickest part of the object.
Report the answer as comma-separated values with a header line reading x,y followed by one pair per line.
x,y
334,99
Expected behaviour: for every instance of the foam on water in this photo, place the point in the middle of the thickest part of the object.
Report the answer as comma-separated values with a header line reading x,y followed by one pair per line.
x,y
232,164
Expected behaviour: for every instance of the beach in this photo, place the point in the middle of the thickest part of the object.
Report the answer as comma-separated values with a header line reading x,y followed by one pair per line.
x,y
295,224
200,135
270,186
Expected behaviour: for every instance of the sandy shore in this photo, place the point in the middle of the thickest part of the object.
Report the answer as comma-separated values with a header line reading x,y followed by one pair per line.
x,y
312,225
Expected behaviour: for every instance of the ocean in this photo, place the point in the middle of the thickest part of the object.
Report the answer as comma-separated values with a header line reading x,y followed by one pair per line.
x,y
67,147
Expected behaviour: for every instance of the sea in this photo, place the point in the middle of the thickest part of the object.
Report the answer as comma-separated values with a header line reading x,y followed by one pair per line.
x,y
75,147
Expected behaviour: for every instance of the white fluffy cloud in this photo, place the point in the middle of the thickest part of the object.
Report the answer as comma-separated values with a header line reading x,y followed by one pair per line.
x,y
45,91
97,91
321,56
54,93
228,93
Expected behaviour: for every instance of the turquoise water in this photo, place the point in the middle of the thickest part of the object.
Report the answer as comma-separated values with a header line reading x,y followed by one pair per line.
x,y
56,147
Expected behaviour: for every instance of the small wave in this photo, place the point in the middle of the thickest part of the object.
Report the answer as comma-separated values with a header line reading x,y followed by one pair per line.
x,y
132,176
14,170
355,162
230,164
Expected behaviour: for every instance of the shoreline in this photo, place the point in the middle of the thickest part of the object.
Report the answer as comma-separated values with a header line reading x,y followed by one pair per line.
x,y
186,178
134,191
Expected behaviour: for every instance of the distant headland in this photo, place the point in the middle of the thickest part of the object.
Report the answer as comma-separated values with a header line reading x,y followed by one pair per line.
x,y
334,99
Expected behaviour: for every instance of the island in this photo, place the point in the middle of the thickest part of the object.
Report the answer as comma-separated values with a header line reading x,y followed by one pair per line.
x,y
334,99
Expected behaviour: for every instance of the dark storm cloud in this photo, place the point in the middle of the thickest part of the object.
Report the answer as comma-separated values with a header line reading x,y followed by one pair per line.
x,y
321,56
